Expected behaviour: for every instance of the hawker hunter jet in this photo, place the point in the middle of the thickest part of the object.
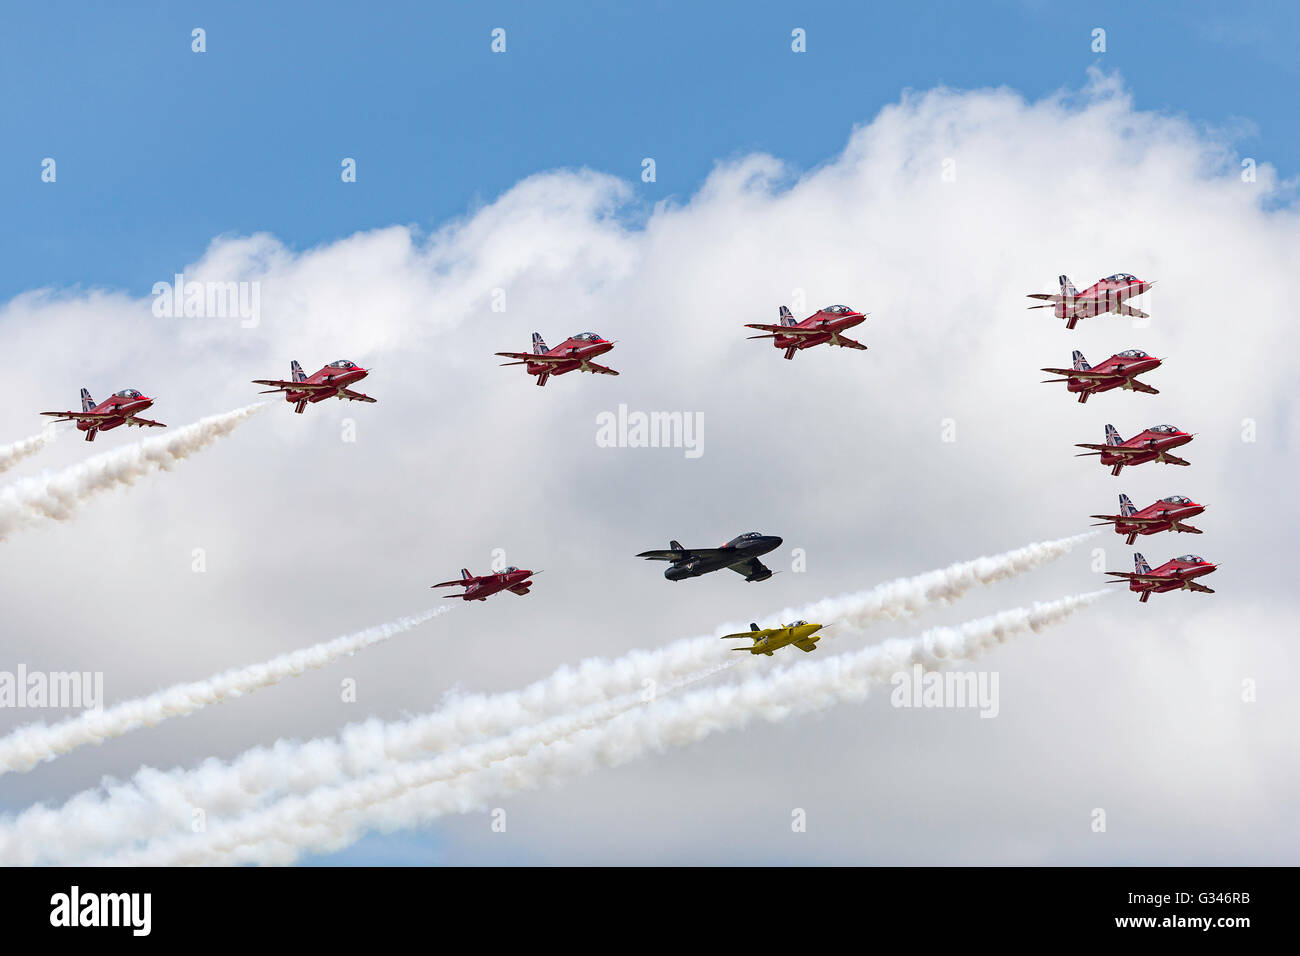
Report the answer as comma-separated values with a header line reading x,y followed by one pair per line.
x,y
512,579
574,353
1176,574
825,325
768,639
1151,445
739,554
1107,295
331,381
120,408
1118,371
1167,514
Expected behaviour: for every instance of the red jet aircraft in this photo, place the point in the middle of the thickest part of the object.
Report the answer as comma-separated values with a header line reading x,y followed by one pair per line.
x,y
1167,514
1107,295
1153,444
1176,574
121,408
331,381
1118,371
575,352
825,325
481,588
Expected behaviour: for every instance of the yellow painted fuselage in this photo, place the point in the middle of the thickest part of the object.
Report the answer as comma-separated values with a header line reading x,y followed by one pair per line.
x,y
802,635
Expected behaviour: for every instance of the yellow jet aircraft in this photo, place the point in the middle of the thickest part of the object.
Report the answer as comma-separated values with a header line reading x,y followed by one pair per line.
x,y
801,634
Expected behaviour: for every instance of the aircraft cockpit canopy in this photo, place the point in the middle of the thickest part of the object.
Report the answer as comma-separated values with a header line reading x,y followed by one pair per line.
x,y
1133,353
587,337
343,363
128,393
1191,558
1177,500
1120,277
1164,429
837,309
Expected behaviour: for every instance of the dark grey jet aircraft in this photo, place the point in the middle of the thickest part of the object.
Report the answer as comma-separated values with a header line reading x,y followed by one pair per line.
x,y
740,554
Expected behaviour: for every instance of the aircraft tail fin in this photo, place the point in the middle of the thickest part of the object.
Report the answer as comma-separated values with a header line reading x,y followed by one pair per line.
x,y
87,403
296,371
1080,363
787,318
1140,563
539,345
1067,287
676,545
753,626
1112,436
1126,507
464,574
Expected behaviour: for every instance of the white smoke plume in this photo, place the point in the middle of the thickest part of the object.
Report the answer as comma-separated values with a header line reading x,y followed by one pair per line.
x,y
58,496
156,802
31,744
11,455
330,818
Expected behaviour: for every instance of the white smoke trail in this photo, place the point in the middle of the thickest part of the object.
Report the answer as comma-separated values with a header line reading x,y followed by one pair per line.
x,y
11,455
57,496
32,744
329,818
156,802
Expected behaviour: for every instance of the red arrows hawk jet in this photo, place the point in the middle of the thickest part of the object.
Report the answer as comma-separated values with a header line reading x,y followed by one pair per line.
x,y
481,588
825,325
1167,514
331,381
574,353
1118,371
1106,295
1176,574
120,408
1150,445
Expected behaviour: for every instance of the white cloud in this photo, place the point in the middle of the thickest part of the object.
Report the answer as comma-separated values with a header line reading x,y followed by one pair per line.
x,y
306,536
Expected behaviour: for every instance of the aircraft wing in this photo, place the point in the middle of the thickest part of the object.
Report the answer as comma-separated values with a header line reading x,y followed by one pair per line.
x,y
749,634
598,369
1141,578
356,396
1174,460
847,343
144,423
447,584
806,646
83,416
1142,387
1076,373
282,386
1131,519
674,555
531,357
752,568
1046,298
1117,449
791,330
1199,587
1129,310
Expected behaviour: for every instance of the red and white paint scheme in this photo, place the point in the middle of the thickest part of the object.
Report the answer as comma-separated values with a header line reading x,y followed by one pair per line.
x,y
1153,444
822,327
1105,295
573,354
1167,514
1176,574
331,381
1118,371
480,588
120,408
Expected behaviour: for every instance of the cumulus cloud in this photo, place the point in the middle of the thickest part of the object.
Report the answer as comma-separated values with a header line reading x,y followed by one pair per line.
x,y
325,521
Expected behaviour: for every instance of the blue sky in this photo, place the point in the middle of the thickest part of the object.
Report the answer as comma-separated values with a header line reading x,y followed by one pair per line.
x,y
160,149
